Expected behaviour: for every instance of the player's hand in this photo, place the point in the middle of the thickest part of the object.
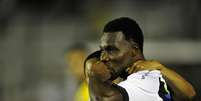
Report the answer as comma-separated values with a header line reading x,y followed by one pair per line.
x,y
145,65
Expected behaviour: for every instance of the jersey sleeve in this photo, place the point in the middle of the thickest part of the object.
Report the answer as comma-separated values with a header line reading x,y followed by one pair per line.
x,y
165,91
142,86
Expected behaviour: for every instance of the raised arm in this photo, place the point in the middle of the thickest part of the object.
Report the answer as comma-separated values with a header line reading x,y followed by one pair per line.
x,y
100,88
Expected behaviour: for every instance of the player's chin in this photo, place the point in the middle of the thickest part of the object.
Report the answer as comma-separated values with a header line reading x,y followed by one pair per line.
x,y
113,70
117,73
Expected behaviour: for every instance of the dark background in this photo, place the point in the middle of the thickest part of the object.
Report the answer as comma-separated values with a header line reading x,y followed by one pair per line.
x,y
34,34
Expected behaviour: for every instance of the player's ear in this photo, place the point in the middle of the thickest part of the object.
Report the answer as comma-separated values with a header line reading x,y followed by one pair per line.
x,y
134,45
135,48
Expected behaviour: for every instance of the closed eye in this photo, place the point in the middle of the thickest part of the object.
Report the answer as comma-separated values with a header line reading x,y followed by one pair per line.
x,y
109,49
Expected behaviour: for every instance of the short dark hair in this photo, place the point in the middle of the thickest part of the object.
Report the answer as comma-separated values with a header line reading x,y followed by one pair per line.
x,y
129,28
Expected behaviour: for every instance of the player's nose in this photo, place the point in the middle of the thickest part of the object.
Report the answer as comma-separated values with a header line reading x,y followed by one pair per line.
x,y
104,56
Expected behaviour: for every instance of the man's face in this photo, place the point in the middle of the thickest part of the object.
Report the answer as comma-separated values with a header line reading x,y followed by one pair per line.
x,y
117,53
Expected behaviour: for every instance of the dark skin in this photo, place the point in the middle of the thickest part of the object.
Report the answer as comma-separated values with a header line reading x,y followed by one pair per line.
x,y
119,54
116,55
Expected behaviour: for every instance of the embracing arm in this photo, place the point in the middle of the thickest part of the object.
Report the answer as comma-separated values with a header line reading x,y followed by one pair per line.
x,y
100,88
182,89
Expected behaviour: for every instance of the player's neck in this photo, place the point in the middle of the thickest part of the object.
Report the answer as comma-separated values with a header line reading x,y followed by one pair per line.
x,y
135,59
138,57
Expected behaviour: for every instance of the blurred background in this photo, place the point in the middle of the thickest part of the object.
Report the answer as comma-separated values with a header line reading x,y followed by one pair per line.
x,y
35,35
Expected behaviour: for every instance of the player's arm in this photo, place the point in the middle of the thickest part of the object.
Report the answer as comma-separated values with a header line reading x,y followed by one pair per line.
x,y
182,89
100,88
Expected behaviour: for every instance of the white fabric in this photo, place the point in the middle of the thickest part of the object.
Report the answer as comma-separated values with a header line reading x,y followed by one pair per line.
x,y
143,86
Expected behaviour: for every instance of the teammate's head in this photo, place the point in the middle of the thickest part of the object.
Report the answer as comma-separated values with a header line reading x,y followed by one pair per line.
x,y
129,28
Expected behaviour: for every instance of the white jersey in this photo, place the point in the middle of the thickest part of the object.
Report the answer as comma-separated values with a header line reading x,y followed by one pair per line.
x,y
143,86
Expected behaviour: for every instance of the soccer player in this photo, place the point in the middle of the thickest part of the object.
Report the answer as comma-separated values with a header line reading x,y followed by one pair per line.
x,y
121,55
